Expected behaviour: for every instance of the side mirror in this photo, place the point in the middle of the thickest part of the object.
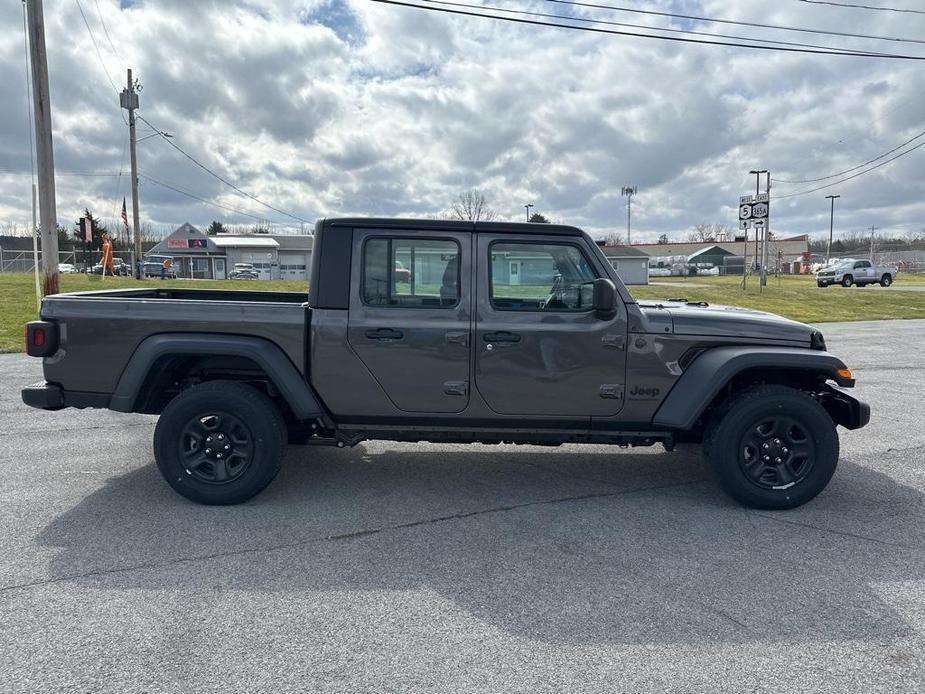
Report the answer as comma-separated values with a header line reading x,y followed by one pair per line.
x,y
605,297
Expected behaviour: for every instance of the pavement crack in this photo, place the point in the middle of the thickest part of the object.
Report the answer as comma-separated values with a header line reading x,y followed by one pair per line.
x,y
355,534
842,533
49,430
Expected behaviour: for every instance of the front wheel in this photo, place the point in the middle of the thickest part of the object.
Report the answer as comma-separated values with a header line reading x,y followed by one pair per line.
x,y
886,281
773,447
847,281
220,442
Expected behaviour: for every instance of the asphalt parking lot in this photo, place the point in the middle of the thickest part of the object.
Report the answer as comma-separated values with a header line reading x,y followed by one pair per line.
x,y
440,568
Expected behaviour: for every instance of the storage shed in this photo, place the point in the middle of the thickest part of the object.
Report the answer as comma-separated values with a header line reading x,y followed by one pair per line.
x,y
631,264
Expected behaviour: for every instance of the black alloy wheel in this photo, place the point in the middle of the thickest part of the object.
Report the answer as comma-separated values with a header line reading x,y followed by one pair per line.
x,y
777,453
772,447
220,442
216,448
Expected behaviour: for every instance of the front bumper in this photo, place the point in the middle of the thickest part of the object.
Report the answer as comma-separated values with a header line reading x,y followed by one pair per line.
x,y
845,409
44,396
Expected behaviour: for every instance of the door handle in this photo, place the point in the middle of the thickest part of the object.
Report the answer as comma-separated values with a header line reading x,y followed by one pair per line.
x,y
384,334
502,336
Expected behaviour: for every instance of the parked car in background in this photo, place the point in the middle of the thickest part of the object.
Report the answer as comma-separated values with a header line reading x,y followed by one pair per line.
x,y
402,274
243,271
153,269
859,272
119,267
67,269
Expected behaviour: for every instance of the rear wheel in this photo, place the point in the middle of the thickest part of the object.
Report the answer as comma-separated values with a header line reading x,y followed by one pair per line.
x,y
220,442
886,281
847,281
773,447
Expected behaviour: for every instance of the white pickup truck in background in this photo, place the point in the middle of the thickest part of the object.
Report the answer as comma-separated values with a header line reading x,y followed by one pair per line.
x,y
859,272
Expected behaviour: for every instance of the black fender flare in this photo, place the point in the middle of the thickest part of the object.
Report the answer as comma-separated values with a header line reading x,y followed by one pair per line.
x,y
712,370
279,368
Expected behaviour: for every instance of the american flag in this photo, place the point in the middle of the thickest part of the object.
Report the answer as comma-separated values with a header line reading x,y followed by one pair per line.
x,y
124,216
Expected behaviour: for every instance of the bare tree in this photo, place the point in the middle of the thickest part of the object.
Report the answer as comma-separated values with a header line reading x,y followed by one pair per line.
x,y
614,239
703,232
471,206
663,239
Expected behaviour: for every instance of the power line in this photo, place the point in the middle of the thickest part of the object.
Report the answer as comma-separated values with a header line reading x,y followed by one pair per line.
x,y
106,31
715,20
99,55
25,43
861,7
200,199
860,173
220,178
853,168
61,172
95,46
598,30
636,26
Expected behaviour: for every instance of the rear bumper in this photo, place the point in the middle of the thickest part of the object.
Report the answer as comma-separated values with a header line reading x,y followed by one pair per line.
x,y
44,396
846,410
48,396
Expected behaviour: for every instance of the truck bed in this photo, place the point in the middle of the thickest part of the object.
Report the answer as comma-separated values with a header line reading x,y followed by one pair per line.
x,y
105,327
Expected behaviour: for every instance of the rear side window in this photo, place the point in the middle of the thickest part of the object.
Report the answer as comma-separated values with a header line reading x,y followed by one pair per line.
x,y
410,273
540,277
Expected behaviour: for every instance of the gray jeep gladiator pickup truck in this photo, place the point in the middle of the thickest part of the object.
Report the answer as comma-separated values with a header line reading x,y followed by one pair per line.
x,y
495,333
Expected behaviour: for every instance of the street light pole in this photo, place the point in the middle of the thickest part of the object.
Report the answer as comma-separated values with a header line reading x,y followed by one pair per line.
x,y
828,251
527,208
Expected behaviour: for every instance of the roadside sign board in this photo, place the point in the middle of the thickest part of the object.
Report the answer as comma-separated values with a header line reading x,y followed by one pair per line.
x,y
752,209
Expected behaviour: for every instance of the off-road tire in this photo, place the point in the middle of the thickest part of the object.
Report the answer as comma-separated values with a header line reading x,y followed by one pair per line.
x,y
886,280
728,443
847,281
251,426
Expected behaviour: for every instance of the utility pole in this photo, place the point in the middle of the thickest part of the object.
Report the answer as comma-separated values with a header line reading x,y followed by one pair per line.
x,y
527,208
766,233
128,100
872,228
44,148
828,251
628,192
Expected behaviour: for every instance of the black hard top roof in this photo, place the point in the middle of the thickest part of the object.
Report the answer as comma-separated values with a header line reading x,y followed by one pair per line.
x,y
452,225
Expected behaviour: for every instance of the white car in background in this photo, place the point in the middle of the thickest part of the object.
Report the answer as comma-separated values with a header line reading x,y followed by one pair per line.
x,y
66,269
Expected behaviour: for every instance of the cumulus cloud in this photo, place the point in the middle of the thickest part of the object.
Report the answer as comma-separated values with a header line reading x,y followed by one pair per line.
x,y
336,107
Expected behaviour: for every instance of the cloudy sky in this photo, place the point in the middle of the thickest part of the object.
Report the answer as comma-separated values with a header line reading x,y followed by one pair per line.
x,y
348,107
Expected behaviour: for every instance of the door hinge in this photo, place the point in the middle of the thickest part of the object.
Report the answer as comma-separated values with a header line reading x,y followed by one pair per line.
x,y
614,341
458,337
612,391
456,387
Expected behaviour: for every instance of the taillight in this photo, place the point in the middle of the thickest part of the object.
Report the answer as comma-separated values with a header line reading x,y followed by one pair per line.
x,y
41,338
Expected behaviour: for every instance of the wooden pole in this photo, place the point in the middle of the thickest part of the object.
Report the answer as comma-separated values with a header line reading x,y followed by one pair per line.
x,y
44,147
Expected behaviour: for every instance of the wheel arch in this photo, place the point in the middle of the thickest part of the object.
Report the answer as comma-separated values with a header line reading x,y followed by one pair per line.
x,y
721,372
161,359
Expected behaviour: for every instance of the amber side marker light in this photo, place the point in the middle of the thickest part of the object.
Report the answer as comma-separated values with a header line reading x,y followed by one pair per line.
x,y
845,373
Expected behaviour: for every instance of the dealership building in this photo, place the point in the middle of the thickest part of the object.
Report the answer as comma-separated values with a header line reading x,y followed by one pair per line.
x,y
199,256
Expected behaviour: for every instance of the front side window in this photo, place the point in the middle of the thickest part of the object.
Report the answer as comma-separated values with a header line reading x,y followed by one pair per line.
x,y
540,277
410,273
